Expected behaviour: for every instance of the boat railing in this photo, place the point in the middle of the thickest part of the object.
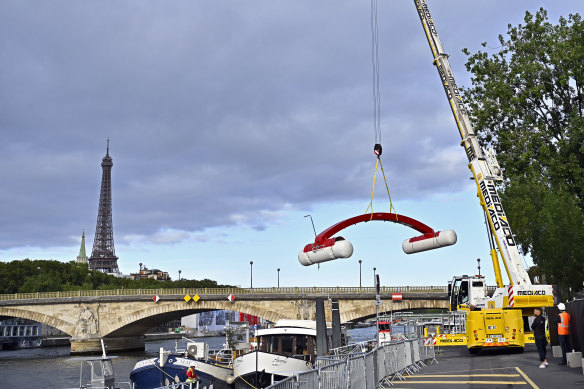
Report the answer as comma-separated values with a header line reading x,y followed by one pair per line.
x,y
221,356
117,385
181,385
354,348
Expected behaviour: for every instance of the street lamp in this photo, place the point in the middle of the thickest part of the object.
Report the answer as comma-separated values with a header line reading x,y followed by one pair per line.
x,y
251,274
140,277
278,278
179,275
360,261
479,264
312,221
374,275
38,278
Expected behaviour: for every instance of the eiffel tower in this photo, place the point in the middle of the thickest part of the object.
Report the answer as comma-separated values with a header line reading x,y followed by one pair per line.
x,y
103,256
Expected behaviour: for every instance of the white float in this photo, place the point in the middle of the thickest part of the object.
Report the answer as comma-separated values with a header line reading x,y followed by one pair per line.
x,y
340,249
434,241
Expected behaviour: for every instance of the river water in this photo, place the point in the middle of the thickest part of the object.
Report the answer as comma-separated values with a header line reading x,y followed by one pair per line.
x,y
54,368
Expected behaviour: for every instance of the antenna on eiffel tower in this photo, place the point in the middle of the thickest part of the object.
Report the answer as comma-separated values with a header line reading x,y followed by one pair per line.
x,y
103,256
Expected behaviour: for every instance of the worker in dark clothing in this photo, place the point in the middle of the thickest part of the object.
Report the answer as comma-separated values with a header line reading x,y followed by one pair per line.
x,y
538,327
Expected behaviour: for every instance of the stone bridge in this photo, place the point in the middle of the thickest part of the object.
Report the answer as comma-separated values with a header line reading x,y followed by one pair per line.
x,y
121,317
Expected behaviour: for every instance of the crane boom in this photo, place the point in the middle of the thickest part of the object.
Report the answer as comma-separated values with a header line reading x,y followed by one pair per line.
x,y
482,163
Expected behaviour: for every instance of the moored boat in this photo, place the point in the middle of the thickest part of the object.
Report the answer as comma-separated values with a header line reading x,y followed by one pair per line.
x,y
214,369
286,348
157,372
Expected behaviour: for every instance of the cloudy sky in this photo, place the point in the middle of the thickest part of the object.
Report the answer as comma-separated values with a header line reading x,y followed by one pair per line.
x,y
231,120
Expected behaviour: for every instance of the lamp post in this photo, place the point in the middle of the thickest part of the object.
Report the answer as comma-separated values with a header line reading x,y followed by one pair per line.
x,y
479,264
179,275
312,221
140,277
278,278
251,274
360,261
374,275
38,278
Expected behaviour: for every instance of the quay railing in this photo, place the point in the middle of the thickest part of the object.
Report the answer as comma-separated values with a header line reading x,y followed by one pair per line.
x,y
303,291
377,368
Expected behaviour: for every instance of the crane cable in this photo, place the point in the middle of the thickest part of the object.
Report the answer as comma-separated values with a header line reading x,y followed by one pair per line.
x,y
375,63
386,187
377,106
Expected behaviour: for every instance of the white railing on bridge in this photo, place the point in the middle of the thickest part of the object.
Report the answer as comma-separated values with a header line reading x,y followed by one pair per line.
x,y
306,291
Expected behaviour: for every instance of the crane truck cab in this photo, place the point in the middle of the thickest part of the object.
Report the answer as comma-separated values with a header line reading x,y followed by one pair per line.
x,y
467,291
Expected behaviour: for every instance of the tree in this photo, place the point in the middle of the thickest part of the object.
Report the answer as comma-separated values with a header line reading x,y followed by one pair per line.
x,y
550,225
527,101
25,277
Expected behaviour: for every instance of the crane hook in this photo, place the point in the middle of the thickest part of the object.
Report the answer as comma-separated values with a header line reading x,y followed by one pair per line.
x,y
377,150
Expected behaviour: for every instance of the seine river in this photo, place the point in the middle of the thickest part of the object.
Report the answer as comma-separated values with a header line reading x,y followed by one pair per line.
x,y
54,368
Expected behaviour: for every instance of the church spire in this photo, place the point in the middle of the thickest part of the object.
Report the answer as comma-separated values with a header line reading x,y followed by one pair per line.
x,y
82,258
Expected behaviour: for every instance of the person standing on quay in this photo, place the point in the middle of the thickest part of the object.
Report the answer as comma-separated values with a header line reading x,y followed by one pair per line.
x,y
563,321
538,327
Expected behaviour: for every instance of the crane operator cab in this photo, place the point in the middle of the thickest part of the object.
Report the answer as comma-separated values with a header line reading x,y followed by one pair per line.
x,y
468,292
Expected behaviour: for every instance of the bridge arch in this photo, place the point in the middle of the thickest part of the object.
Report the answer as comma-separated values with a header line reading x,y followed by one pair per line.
x,y
48,319
139,321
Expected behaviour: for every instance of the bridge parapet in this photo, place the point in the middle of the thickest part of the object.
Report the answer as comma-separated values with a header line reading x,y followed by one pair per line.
x,y
305,291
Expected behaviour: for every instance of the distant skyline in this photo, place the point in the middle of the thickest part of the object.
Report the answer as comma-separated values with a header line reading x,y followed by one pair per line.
x,y
229,121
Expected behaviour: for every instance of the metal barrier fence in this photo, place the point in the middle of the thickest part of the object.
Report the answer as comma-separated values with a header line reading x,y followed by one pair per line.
x,y
370,370
308,291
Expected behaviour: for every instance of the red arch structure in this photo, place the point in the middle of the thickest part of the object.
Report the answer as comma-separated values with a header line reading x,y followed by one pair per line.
x,y
325,238
326,247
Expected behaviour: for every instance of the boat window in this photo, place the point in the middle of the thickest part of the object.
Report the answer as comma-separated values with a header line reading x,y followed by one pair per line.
x,y
272,344
301,347
311,346
383,326
107,368
477,284
95,371
287,344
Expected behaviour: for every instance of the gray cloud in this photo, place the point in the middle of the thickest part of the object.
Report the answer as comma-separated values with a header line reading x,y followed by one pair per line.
x,y
218,112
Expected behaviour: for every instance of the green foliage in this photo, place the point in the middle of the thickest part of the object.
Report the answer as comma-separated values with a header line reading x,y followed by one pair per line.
x,y
29,276
550,225
527,101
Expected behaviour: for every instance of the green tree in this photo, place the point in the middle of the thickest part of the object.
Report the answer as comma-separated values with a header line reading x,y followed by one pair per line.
x,y
527,101
550,225
30,276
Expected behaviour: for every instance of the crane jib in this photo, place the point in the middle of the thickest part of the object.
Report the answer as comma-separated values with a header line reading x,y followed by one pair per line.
x,y
496,211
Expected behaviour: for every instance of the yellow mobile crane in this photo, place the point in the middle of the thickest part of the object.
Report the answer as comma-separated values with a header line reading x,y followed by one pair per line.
x,y
501,319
